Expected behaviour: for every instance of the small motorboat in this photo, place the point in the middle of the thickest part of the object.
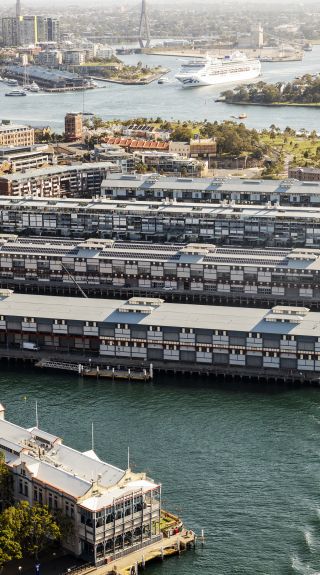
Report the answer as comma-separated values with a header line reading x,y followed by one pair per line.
x,y
164,80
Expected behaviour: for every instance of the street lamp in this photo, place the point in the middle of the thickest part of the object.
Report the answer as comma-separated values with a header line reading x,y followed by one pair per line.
x,y
20,569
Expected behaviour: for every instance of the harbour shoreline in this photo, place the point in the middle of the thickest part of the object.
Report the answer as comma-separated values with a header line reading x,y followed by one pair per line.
x,y
271,105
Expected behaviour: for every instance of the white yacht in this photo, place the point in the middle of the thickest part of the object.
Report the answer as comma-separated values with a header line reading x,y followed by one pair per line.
x,y
12,82
210,71
34,87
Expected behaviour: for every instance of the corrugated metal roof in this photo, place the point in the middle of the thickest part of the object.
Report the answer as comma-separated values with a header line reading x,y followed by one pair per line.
x,y
166,315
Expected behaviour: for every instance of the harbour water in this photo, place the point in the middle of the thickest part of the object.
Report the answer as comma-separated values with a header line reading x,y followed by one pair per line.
x,y
170,101
243,463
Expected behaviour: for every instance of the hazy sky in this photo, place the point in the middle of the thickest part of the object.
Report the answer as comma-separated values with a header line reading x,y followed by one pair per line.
x,y
91,3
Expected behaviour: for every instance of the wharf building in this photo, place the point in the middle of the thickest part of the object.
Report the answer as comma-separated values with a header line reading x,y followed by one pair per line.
x,y
241,225
15,135
187,189
282,342
197,273
113,511
49,80
79,180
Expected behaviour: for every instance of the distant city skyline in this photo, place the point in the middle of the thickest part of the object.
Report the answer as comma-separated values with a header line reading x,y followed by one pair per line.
x,y
29,5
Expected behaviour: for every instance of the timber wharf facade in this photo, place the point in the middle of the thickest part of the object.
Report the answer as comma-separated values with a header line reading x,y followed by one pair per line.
x,y
282,342
198,273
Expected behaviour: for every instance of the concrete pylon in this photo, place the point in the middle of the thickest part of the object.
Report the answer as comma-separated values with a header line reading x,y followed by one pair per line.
x,y
18,9
144,28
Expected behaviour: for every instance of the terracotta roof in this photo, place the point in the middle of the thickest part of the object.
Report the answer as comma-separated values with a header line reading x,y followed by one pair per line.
x,y
137,144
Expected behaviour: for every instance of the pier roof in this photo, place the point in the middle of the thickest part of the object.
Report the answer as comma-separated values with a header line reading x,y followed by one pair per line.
x,y
168,315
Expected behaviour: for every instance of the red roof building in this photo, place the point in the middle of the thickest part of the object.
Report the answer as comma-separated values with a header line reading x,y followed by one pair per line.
x,y
130,144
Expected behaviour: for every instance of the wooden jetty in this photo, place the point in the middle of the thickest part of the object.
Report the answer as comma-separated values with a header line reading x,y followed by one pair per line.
x,y
131,563
98,371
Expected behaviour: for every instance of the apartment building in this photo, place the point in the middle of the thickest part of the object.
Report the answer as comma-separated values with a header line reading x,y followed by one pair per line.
x,y
73,127
56,181
25,158
29,30
16,135
200,273
188,189
113,511
169,163
241,225
283,341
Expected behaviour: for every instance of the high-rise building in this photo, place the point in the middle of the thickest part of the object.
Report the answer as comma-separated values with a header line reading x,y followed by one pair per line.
x,y
10,31
26,30
53,29
73,127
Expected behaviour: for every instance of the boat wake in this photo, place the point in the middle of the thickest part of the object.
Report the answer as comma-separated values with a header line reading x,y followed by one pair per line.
x,y
299,567
309,539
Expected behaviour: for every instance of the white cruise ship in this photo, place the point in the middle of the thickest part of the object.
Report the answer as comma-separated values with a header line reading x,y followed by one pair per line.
x,y
209,71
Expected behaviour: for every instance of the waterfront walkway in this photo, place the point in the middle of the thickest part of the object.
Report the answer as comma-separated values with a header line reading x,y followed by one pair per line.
x,y
159,550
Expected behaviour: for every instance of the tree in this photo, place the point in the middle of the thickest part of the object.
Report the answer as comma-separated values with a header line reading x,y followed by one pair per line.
x,y
9,547
6,495
97,122
182,134
32,527
141,168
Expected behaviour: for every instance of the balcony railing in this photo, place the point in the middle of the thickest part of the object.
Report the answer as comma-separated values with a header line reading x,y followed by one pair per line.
x,y
131,549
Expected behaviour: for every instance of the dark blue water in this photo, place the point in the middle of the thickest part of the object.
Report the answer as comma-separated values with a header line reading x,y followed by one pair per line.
x,y
240,462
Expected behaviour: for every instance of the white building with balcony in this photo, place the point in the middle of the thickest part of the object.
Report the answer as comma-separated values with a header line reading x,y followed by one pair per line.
x,y
114,511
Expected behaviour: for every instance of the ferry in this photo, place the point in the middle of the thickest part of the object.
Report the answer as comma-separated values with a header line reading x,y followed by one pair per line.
x,y
16,93
210,71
